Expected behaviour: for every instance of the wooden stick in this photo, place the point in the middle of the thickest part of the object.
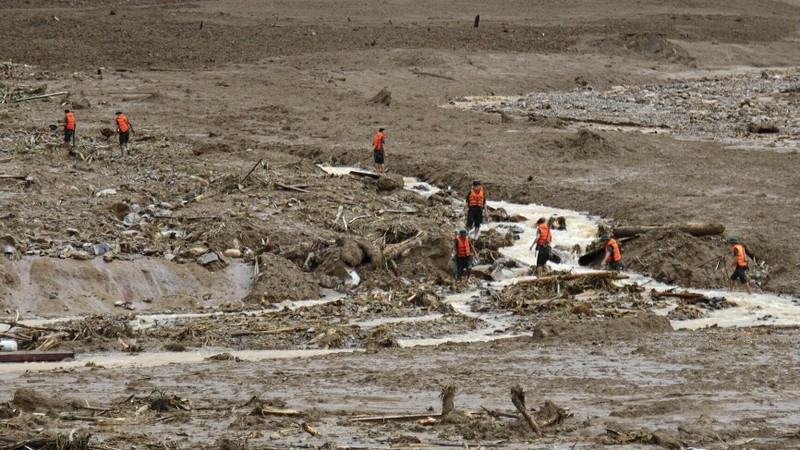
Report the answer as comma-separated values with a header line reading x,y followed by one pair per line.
x,y
251,171
518,399
35,97
397,418
497,414
290,188
275,331
394,250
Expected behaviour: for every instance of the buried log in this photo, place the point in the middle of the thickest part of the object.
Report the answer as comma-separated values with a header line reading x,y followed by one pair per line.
x,y
448,396
681,295
695,229
34,356
576,276
518,399
395,250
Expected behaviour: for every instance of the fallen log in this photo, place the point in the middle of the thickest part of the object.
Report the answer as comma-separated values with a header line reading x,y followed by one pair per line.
x,y
396,418
682,295
695,229
35,356
395,250
595,256
576,276
273,331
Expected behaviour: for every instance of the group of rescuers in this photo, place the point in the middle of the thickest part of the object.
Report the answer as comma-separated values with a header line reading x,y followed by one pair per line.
x,y
475,203
123,128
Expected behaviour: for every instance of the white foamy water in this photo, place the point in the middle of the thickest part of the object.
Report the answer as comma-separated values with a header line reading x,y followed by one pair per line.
x,y
750,310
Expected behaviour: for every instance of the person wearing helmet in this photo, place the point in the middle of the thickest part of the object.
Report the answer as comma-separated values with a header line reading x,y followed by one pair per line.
x,y
462,253
543,242
739,265
69,127
613,256
124,130
476,202
379,151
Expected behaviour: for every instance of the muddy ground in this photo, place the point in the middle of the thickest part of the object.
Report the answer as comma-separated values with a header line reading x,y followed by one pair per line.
x,y
215,89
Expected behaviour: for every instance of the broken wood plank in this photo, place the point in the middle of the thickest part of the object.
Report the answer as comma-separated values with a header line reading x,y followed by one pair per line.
x,y
290,187
576,276
36,97
34,356
13,177
361,173
695,229
396,418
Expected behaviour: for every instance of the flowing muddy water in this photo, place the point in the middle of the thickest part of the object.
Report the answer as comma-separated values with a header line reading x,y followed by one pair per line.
x,y
756,309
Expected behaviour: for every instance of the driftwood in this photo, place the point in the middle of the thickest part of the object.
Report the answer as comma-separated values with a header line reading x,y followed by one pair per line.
x,y
499,414
448,396
34,356
264,410
683,295
695,229
395,418
274,331
575,276
395,250
518,399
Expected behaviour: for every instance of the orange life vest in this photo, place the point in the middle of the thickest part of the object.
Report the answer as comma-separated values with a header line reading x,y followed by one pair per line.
x,y
544,235
377,142
615,255
476,198
122,123
740,255
462,246
69,121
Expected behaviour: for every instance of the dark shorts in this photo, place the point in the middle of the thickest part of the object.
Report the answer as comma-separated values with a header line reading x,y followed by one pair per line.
x,y
615,265
462,263
740,274
69,135
543,256
123,137
378,157
474,217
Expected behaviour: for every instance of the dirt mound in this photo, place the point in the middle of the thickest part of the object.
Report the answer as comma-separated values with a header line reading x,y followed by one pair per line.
x,y
280,280
678,258
588,145
622,328
654,46
30,400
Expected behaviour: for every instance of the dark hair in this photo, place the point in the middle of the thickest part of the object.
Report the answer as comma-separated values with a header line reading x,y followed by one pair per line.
x,y
541,220
381,129
66,110
476,183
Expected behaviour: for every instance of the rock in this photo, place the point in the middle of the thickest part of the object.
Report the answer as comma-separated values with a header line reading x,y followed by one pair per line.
x,y
233,253
383,97
197,251
73,231
328,282
516,218
81,255
390,182
208,258
106,192
132,218
101,249
351,253
484,272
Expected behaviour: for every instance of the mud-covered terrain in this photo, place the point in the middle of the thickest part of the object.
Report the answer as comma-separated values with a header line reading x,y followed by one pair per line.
x,y
220,232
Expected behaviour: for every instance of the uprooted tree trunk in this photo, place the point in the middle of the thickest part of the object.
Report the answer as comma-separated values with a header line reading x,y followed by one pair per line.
x,y
395,250
518,399
695,229
448,396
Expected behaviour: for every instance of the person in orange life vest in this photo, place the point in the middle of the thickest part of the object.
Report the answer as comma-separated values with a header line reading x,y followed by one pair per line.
x,y
543,242
462,251
124,130
379,150
476,201
739,265
613,257
69,127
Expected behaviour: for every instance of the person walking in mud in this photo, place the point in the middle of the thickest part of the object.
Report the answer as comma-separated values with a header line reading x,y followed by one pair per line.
x,y
613,258
379,151
475,203
124,130
739,265
69,127
543,243
462,254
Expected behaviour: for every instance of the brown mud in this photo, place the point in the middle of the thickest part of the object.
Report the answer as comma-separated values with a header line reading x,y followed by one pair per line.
x,y
220,210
